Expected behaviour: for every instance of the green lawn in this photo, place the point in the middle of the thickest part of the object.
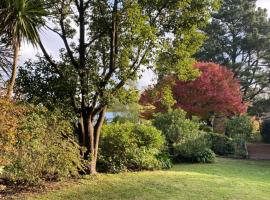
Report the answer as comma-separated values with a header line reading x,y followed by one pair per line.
x,y
226,179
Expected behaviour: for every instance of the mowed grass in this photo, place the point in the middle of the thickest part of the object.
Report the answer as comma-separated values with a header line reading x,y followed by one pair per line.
x,y
225,179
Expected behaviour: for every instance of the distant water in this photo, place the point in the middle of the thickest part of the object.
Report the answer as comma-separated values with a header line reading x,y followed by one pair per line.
x,y
110,115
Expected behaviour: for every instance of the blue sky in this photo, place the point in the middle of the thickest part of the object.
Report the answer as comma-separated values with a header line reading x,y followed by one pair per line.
x,y
52,43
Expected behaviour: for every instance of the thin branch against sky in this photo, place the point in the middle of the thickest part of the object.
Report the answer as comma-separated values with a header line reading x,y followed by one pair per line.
x,y
53,44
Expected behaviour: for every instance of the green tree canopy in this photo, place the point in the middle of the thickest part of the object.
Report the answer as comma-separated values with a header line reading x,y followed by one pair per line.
x,y
238,37
107,43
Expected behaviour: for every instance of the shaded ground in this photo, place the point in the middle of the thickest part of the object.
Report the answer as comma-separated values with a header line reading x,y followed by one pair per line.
x,y
226,179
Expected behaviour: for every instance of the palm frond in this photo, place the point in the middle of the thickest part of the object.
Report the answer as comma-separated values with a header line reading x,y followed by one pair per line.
x,y
21,19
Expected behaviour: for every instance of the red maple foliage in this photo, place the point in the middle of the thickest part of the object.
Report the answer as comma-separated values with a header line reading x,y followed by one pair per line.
x,y
215,91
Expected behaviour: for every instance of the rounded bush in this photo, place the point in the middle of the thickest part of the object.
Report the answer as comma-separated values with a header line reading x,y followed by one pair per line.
x,y
184,138
130,147
190,149
175,126
220,144
240,127
205,156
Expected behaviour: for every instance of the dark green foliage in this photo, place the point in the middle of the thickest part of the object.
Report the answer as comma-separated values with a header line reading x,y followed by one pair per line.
x,y
40,85
240,127
220,144
238,37
165,160
225,146
206,156
194,149
265,131
131,147
44,149
184,139
175,126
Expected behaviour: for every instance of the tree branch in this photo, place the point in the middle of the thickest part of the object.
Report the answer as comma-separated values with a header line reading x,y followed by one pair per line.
x,y
64,38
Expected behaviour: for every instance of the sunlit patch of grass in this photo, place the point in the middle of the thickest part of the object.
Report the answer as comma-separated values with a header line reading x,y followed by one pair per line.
x,y
225,179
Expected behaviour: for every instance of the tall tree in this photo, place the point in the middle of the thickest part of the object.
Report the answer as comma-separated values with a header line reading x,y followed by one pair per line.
x,y
215,92
20,20
238,37
107,42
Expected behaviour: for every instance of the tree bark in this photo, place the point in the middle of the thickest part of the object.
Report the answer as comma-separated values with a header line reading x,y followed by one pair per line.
x,y
89,136
11,82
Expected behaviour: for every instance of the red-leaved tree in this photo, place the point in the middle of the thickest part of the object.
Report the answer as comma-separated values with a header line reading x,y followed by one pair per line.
x,y
214,92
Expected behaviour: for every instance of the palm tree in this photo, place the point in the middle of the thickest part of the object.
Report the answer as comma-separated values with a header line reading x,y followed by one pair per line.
x,y
21,21
5,58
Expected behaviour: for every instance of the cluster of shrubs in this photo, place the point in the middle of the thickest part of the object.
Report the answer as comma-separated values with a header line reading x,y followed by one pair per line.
x,y
36,145
188,141
122,148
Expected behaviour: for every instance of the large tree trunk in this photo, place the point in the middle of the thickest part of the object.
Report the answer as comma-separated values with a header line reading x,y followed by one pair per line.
x,y
11,82
90,129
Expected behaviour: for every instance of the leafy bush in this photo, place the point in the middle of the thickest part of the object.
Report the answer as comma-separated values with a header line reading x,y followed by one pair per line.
x,y
220,144
240,127
43,147
165,160
265,131
206,156
194,149
128,146
175,126
9,123
184,138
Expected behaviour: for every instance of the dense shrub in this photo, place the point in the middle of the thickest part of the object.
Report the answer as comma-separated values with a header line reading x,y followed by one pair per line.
x,y
220,144
9,123
240,127
206,156
175,126
43,147
265,131
195,148
184,138
128,146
